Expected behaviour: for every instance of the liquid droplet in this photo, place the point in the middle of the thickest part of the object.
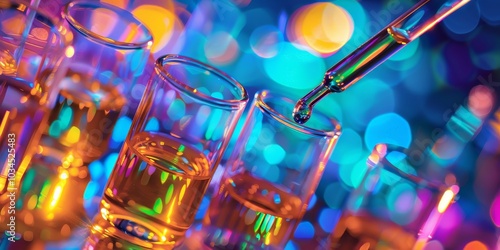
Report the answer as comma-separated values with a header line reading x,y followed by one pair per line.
x,y
301,112
303,108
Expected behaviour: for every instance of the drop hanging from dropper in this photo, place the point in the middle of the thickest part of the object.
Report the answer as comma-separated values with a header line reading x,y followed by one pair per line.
x,y
409,26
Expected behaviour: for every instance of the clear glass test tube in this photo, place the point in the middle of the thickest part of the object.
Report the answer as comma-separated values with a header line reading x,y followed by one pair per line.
x,y
34,47
270,176
111,48
178,136
393,207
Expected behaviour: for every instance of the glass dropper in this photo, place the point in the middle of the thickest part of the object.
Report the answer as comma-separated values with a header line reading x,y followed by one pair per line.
x,y
409,26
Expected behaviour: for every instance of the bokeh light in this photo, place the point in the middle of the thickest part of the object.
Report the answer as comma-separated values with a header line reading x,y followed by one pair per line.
x,y
106,22
451,219
433,245
489,11
96,170
202,208
324,27
90,192
406,52
121,129
349,148
328,219
241,3
123,4
137,91
164,30
360,19
483,51
364,101
249,76
351,174
221,48
291,246
354,175
335,195
475,245
305,230
312,202
388,128
109,163
295,68
265,41
152,125
330,107
495,210
274,154
439,67
481,100
403,203
464,20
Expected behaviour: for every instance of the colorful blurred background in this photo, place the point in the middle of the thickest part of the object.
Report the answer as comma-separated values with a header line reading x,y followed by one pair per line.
x,y
438,96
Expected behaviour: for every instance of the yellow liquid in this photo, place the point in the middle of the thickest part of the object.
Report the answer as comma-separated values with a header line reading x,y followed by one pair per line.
x,y
49,201
365,232
82,121
251,213
156,188
22,112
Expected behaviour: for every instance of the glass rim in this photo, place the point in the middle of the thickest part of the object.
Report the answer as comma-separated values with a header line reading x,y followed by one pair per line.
x,y
381,150
236,103
260,102
147,43
57,23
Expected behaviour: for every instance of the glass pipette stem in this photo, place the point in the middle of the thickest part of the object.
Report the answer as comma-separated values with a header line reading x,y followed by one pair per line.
x,y
409,26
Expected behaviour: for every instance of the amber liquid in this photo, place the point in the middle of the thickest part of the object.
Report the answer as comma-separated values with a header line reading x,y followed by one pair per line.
x,y
49,201
84,116
22,112
365,232
251,213
156,188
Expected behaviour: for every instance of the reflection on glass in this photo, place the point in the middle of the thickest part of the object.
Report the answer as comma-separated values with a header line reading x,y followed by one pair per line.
x,y
49,201
180,131
270,176
33,44
393,207
111,48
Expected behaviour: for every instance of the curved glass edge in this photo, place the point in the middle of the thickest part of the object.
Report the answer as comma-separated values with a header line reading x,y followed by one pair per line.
x,y
379,155
146,44
260,102
238,103
56,24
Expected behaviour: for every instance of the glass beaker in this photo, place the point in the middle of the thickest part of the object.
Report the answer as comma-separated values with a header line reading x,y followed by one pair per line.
x,y
393,207
34,46
270,176
111,48
179,133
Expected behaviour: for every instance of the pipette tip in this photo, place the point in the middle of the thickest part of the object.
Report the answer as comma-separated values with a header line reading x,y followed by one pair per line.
x,y
301,112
